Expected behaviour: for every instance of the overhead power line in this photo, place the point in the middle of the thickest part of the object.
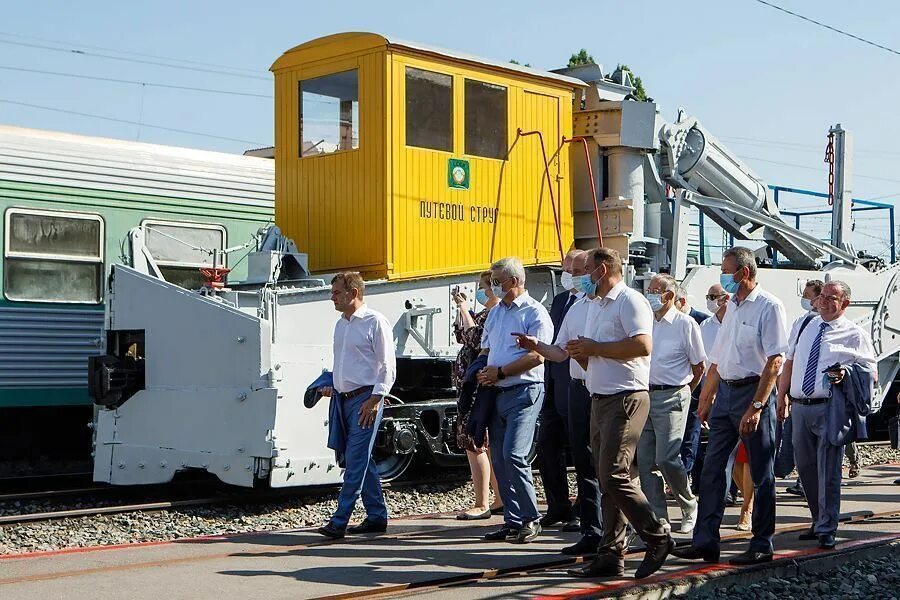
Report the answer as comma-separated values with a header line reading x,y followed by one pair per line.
x,y
132,82
133,60
115,120
829,27
130,53
820,169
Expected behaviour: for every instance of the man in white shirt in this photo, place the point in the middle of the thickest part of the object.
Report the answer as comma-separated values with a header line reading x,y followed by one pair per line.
x,y
364,371
615,351
579,413
517,378
676,366
738,398
829,340
716,302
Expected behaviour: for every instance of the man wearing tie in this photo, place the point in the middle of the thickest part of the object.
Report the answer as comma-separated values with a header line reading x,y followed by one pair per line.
x,y
552,436
738,399
829,340
364,372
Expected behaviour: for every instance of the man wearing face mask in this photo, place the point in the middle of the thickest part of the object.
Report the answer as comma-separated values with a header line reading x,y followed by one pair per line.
x,y
579,412
716,302
738,400
516,376
676,366
830,344
784,456
615,351
552,436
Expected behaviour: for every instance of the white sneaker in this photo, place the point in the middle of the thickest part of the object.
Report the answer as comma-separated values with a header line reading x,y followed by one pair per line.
x,y
689,520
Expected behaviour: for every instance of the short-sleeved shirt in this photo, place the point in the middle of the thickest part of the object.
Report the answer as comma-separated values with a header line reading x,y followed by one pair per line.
x,y
621,314
752,330
522,315
843,342
676,346
709,330
572,327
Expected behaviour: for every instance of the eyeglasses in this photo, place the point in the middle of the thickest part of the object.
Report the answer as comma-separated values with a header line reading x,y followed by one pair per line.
x,y
714,296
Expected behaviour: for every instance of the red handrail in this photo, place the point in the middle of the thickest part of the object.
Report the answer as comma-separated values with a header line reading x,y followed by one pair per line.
x,y
594,200
521,133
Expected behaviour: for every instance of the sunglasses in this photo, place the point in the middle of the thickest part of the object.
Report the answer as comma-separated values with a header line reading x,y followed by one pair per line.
x,y
714,296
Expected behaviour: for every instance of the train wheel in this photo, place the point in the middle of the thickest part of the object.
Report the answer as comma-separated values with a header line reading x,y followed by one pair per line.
x,y
393,466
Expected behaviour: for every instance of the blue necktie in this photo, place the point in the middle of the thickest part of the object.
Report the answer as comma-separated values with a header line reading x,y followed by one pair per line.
x,y
812,365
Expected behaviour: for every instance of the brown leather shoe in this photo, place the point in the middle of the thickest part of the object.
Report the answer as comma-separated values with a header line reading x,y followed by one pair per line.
x,y
654,559
605,565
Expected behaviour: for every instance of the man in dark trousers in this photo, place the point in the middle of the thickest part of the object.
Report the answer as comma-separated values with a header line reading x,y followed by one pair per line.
x,y
552,435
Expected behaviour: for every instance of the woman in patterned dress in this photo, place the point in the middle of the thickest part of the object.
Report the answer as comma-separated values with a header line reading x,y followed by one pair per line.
x,y
467,328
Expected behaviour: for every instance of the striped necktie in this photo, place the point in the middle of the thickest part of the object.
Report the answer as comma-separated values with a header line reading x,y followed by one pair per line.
x,y
812,365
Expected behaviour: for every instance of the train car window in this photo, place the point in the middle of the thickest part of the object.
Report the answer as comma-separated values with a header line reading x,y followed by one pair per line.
x,y
53,256
329,114
429,110
181,249
486,120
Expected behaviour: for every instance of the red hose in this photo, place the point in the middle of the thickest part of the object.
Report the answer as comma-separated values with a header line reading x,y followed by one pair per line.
x,y
594,200
519,132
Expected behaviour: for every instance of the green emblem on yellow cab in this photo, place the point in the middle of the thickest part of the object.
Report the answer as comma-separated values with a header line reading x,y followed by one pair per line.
x,y
458,173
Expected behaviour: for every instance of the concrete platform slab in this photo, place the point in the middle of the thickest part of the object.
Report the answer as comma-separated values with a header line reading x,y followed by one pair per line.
x,y
437,555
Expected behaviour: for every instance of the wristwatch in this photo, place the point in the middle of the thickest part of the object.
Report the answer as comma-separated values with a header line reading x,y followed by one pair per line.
x,y
758,405
500,374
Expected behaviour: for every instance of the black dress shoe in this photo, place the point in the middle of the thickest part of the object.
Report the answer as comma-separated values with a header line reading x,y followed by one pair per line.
x,y
572,525
654,558
527,532
368,526
605,565
502,534
827,541
808,535
329,530
550,519
691,553
586,545
751,557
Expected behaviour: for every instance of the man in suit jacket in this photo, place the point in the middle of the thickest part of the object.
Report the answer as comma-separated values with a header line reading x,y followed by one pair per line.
x,y
552,435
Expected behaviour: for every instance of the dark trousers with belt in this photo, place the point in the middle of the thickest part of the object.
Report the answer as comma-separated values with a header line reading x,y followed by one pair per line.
x,y
585,469
616,424
724,432
819,464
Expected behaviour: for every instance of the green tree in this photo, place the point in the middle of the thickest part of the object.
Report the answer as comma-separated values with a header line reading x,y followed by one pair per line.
x,y
581,58
639,92
515,62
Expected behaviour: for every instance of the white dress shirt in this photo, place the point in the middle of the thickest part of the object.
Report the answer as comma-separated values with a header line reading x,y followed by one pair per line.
x,y
676,346
572,327
364,353
795,327
752,330
623,313
522,315
843,342
709,330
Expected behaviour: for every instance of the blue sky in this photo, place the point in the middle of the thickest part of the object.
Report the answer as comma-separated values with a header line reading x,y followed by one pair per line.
x,y
744,69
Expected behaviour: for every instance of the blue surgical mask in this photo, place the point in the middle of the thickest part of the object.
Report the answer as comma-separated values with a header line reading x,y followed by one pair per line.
x,y
585,284
655,301
726,280
806,303
567,280
498,291
481,297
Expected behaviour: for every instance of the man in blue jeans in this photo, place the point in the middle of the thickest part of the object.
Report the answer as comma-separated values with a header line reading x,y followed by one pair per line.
x,y
738,399
517,376
364,372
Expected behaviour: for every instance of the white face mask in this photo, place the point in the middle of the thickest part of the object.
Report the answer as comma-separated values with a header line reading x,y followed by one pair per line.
x,y
566,280
712,306
806,303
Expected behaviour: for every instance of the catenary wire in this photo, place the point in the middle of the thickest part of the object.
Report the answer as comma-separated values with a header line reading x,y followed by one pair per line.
x,y
829,27
115,120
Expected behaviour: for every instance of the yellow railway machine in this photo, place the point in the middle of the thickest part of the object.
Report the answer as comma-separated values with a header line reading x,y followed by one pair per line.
x,y
404,161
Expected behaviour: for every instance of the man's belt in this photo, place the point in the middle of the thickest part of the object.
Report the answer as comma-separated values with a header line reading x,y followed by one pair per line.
x,y
738,383
357,392
622,393
808,401
665,388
